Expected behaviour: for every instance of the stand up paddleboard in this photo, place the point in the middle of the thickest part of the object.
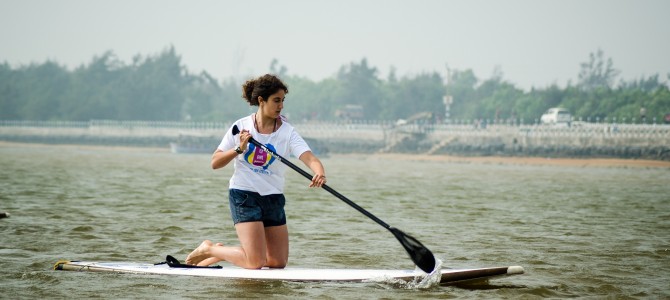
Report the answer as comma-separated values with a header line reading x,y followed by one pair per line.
x,y
287,274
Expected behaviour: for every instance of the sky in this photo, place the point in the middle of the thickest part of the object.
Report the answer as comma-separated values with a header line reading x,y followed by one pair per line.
x,y
535,43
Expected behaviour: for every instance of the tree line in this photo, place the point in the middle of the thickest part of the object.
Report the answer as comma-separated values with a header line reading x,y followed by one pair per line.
x,y
159,87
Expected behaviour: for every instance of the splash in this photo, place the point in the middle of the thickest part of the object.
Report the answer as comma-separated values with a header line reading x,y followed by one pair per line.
x,y
421,281
429,280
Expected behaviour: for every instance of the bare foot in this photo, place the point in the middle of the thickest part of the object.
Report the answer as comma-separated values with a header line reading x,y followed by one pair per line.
x,y
199,254
211,260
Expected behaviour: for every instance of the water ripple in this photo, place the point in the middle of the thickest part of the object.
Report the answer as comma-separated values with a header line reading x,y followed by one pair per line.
x,y
579,232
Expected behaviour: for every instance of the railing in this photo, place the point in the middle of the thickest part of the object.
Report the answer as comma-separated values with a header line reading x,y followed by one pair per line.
x,y
53,124
370,126
116,124
580,139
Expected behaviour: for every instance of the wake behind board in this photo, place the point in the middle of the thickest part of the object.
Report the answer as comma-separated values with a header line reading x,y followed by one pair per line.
x,y
287,274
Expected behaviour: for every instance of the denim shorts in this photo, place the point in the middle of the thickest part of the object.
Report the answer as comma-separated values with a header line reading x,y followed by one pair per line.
x,y
248,206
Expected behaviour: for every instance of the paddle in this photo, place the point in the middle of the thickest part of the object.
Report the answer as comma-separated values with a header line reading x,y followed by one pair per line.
x,y
419,254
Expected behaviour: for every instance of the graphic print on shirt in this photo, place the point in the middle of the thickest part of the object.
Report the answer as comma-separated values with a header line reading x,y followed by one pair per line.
x,y
256,156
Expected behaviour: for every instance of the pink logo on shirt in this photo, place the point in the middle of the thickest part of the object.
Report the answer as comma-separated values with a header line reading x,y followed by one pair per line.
x,y
260,157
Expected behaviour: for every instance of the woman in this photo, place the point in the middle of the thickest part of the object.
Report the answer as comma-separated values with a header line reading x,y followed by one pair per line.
x,y
256,187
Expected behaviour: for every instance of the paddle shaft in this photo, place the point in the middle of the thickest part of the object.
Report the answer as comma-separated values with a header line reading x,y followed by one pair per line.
x,y
419,254
325,187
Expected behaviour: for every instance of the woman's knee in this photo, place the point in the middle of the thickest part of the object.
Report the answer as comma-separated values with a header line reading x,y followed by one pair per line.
x,y
278,263
256,264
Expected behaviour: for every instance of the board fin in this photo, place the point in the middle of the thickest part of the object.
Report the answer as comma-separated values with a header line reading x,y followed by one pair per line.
x,y
174,263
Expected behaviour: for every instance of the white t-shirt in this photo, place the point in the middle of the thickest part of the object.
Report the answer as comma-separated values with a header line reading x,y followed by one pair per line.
x,y
256,170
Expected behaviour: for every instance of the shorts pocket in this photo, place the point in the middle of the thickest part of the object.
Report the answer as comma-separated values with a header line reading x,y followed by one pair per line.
x,y
243,206
241,198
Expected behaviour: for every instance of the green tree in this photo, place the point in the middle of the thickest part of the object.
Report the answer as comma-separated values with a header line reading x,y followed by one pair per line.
x,y
309,100
10,93
361,86
276,69
598,72
201,96
658,104
408,96
462,87
231,105
159,87
91,92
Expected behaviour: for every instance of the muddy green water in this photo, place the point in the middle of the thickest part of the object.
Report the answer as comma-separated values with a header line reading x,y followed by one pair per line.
x,y
578,231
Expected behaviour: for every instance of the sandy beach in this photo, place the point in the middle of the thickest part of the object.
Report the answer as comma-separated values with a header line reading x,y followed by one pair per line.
x,y
573,162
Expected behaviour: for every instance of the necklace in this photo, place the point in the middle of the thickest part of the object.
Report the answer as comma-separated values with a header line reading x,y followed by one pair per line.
x,y
256,126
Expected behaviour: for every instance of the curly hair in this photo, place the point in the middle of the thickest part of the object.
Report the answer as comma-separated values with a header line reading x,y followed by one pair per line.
x,y
263,86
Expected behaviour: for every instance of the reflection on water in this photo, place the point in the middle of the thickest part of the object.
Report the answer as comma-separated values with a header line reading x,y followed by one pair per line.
x,y
578,231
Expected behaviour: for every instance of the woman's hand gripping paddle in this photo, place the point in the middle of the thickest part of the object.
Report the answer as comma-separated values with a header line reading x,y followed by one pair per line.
x,y
419,254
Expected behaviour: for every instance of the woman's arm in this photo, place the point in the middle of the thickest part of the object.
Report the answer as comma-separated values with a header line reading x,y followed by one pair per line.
x,y
312,162
222,158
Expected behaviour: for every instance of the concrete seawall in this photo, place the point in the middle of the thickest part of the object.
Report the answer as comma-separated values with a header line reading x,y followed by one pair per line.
x,y
579,140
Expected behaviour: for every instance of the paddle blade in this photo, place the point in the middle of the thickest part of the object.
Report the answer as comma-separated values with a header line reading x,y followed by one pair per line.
x,y
419,254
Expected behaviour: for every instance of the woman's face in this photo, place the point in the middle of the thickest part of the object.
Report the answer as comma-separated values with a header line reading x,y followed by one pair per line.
x,y
274,104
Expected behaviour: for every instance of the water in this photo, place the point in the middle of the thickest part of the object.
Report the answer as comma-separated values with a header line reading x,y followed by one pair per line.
x,y
577,231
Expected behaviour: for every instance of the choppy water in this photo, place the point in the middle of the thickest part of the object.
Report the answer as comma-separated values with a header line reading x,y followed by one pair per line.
x,y
578,231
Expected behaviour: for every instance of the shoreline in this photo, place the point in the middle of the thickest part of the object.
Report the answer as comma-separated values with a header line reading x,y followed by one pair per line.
x,y
531,160
4,144
508,160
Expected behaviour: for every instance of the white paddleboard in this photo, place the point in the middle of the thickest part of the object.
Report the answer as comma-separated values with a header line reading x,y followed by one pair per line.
x,y
287,274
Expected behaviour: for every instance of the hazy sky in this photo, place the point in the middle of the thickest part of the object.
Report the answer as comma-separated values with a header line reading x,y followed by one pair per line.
x,y
534,42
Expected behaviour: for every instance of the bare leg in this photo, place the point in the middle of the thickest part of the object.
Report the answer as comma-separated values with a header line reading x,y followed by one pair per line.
x,y
276,238
259,247
250,254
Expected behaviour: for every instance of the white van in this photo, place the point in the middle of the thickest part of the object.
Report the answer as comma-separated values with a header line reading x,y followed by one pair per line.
x,y
556,115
